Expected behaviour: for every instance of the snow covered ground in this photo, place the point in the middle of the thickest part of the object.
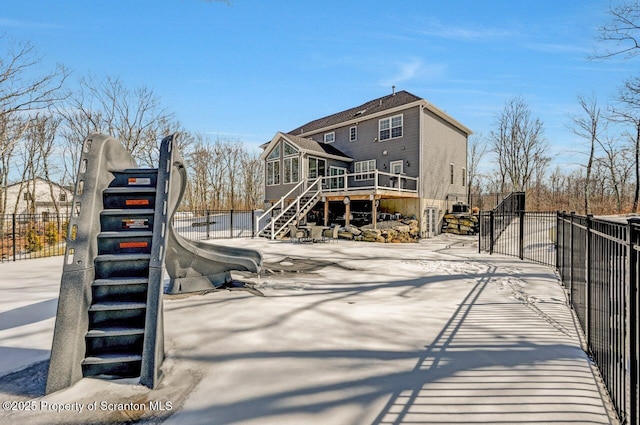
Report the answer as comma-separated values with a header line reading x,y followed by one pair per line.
x,y
346,333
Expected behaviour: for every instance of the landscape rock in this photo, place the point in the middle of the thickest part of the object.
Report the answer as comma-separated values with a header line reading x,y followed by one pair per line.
x,y
460,224
353,230
345,235
404,231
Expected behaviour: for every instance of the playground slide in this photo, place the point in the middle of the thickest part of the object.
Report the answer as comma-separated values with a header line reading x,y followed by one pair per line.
x,y
195,266
109,322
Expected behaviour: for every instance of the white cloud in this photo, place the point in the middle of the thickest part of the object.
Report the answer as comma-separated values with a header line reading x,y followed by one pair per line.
x,y
436,28
558,48
14,23
412,70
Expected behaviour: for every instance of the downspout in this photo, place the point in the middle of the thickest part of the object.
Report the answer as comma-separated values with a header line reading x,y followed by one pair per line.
x,y
421,204
303,168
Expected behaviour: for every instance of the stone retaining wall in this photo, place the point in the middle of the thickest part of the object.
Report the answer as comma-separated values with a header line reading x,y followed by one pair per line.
x,y
387,232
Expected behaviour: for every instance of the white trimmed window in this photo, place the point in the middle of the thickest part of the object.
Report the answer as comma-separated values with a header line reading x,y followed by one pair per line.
x,y
289,150
464,177
317,167
330,137
364,170
273,173
390,128
275,153
291,169
290,164
451,173
353,134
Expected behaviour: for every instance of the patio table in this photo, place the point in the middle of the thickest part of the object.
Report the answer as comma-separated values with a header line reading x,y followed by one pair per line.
x,y
316,232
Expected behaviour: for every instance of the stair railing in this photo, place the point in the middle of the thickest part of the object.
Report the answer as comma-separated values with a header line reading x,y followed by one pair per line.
x,y
303,203
300,206
153,347
280,203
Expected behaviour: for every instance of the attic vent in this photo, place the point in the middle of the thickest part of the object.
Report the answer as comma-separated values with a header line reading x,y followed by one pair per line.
x,y
360,112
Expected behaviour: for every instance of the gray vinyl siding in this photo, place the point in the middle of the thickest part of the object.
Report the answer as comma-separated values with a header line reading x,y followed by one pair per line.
x,y
443,144
405,148
277,191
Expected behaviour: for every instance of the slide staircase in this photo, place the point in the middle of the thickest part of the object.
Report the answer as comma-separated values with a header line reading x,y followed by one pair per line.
x,y
120,240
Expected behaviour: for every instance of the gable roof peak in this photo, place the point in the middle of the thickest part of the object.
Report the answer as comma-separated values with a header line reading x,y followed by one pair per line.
x,y
306,145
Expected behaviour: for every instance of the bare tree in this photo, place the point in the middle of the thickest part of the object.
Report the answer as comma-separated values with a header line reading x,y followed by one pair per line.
x,y
252,180
232,155
519,145
225,175
19,91
557,182
588,126
42,134
217,173
627,110
477,149
23,89
11,131
30,161
135,117
617,165
199,164
622,30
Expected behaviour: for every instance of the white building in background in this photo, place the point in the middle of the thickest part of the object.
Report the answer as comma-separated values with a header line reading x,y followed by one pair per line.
x,y
38,196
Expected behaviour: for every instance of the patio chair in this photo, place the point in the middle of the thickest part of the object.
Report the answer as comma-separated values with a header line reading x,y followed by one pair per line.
x,y
317,233
296,234
332,234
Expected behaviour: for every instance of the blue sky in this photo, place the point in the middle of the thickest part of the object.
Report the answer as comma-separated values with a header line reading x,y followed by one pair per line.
x,y
247,69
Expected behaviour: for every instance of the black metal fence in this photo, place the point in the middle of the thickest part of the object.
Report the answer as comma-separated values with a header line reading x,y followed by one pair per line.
x,y
598,264
25,236
597,261
215,224
526,235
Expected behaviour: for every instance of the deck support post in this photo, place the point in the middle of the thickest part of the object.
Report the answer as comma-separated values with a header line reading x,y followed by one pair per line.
x,y
326,212
374,212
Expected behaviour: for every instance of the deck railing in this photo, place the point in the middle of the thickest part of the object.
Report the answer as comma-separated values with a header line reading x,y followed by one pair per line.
x,y
371,180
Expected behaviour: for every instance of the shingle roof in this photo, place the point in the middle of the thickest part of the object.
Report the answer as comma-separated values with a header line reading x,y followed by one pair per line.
x,y
311,145
373,106
308,146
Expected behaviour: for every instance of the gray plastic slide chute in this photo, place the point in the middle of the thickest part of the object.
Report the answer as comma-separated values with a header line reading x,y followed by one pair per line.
x,y
196,266
109,322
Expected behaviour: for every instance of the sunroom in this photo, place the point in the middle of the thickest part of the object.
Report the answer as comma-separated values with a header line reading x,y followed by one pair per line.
x,y
305,179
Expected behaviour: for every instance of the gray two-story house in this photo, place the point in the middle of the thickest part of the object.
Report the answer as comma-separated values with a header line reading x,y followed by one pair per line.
x,y
396,155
